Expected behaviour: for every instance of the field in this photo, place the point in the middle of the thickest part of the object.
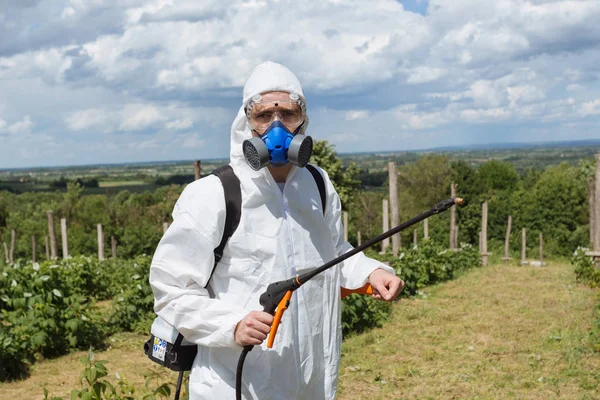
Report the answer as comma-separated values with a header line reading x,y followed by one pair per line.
x,y
500,332
140,177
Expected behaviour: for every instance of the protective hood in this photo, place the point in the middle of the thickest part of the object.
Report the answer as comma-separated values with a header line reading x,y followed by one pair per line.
x,y
266,77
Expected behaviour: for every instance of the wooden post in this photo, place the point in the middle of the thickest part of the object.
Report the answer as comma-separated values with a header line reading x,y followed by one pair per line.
x,y
52,235
100,243
426,228
415,234
359,238
592,207
165,227
541,249
456,242
33,252
113,246
484,222
197,170
524,247
6,253
480,244
47,248
393,177
13,238
386,225
597,205
506,257
345,215
453,244
63,233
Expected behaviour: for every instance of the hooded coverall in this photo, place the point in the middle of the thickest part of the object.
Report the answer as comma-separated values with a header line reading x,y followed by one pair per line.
x,y
282,233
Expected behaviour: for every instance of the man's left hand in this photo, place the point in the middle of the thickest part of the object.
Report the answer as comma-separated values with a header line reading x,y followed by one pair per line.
x,y
386,286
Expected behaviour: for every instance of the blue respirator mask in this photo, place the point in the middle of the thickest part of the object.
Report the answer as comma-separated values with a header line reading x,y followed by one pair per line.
x,y
280,125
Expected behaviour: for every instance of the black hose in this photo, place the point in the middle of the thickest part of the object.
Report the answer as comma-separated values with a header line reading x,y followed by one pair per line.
x,y
238,373
179,382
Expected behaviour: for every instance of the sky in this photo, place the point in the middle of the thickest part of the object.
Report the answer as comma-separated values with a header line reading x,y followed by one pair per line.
x,y
116,81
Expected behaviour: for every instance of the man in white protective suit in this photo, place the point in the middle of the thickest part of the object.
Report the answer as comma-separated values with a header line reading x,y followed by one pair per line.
x,y
282,233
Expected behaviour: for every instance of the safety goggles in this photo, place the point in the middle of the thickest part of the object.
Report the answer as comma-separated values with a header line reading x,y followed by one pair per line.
x,y
261,114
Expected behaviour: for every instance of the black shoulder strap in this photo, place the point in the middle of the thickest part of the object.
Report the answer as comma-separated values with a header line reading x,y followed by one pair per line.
x,y
233,206
320,184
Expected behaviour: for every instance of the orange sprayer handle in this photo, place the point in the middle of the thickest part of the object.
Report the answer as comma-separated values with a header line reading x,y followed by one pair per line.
x,y
366,289
281,307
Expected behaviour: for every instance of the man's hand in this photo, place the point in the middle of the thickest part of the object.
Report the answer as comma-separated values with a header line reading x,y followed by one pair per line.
x,y
253,329
386,286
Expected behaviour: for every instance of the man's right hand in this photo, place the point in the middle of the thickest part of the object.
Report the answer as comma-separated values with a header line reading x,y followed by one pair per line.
x,y
253,329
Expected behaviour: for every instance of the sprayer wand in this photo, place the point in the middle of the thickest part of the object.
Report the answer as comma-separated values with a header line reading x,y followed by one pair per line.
x,y
276,299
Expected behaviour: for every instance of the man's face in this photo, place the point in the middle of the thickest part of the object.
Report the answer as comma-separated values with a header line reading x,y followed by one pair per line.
x,y
275,106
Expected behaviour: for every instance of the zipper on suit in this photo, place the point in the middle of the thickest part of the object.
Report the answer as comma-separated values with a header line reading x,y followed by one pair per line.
x,y
286,211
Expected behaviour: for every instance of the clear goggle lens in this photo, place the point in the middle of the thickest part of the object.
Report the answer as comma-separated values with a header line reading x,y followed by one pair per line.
x,y
261,114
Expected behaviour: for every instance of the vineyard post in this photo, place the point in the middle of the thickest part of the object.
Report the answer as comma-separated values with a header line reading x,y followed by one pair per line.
x,y
426,228
345,215
197,170
592,208
100,243
47,248
480,244
63,233
484,223
386,225
52,235
33,252
6,252
453,187
506,257
541,249
524,247
597,206
415,234
456,242
359,238
13,238
396,243
113,246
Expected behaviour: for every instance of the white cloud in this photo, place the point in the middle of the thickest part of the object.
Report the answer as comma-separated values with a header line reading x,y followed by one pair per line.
x,y
90,118
136,117
425,74
180,124
356,114
485,115
23,126
590,108
194,142
524,94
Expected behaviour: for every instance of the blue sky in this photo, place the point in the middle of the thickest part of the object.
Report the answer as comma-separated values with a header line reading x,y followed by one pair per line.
x,y
104,81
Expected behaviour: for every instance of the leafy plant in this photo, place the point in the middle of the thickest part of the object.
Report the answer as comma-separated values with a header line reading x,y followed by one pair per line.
x,y
95,387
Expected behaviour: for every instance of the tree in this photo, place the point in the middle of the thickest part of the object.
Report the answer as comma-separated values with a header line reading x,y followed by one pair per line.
x,y
343,178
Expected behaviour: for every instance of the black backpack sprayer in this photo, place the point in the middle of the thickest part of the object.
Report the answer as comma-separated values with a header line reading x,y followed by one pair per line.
x,y
276,299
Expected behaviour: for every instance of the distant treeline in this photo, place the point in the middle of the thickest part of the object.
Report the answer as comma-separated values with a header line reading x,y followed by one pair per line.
x,y
62,182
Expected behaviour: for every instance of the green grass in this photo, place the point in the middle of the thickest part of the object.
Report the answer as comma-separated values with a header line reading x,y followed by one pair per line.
x,y
495,333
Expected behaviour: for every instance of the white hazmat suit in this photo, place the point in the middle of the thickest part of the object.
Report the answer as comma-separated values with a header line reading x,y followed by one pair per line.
x,y
281,234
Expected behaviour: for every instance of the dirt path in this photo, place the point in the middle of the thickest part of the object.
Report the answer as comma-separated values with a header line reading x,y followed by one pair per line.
x,y
495,333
